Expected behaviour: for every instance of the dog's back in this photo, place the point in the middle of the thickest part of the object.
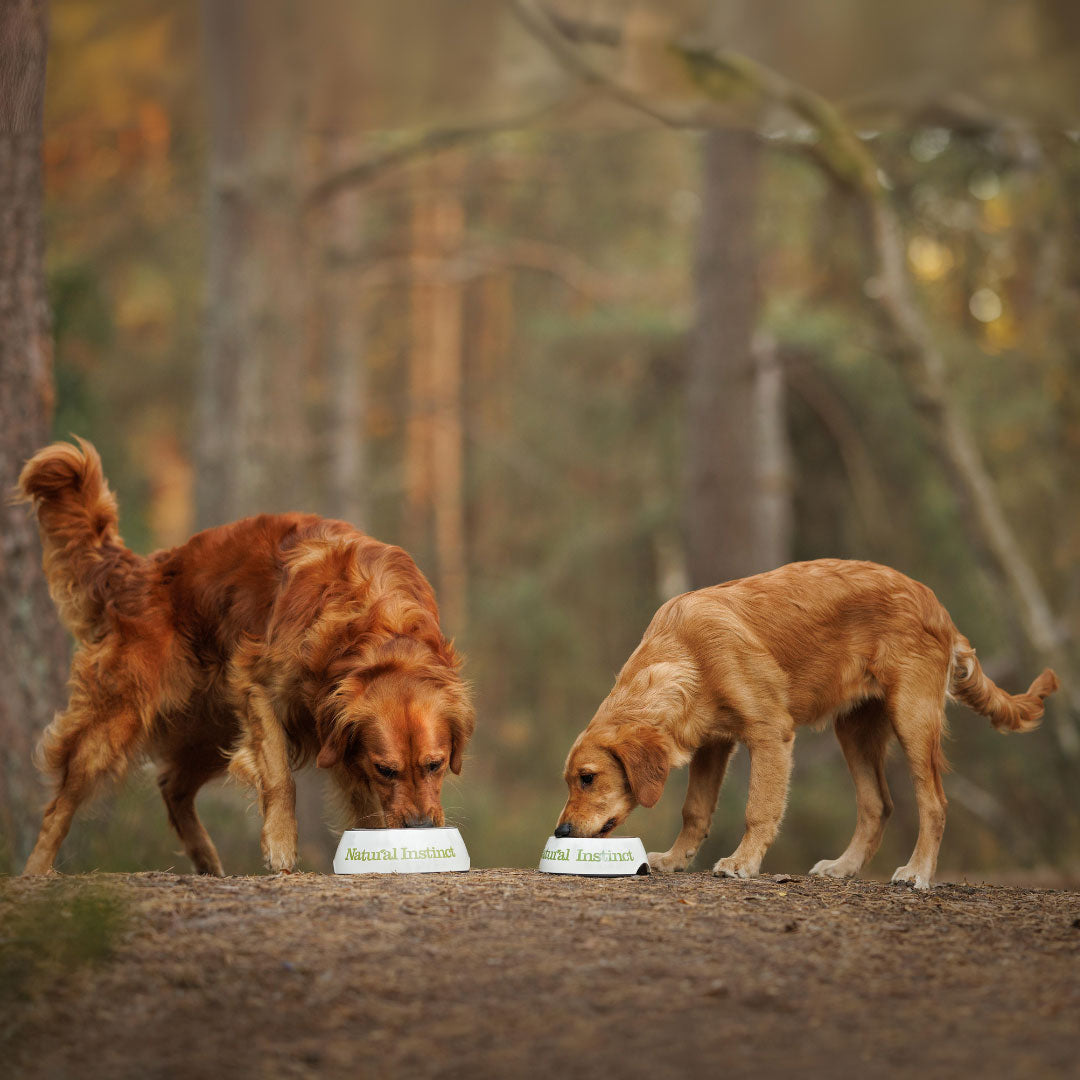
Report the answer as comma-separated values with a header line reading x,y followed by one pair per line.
x,y
841,631
223,582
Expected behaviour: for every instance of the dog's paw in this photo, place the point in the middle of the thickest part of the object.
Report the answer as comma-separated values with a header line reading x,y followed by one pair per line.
x,y
835,868
666,862
207,864
33,871
280,860
730,868
910,875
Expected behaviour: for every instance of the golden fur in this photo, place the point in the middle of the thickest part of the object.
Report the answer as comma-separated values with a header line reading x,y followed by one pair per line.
x,y
751,661
251,649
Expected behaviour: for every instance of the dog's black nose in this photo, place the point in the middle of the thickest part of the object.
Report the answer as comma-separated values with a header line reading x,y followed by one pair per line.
x,y
414,821
563,830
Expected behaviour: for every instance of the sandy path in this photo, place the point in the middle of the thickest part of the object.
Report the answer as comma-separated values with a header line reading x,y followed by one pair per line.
x,y
511,973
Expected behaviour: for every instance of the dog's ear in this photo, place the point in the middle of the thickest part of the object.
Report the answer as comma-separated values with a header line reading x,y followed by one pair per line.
x,y
643,754
462,724
337,739
330,753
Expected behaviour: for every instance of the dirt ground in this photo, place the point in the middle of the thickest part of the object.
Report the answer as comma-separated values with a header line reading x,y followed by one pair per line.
x,y
508,973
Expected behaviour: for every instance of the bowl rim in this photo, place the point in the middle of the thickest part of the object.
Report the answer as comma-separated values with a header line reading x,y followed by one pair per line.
x,y
597,840
418,833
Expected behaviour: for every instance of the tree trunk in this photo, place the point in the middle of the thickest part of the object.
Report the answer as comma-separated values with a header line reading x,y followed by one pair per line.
x,y
738,514
435,450
252,439
224,346
346,371
488,415
33,647
773,512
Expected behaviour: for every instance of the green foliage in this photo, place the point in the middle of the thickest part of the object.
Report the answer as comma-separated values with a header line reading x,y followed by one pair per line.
x,y
53,932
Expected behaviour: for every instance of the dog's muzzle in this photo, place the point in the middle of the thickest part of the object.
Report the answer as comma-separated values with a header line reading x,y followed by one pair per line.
x,y
564,830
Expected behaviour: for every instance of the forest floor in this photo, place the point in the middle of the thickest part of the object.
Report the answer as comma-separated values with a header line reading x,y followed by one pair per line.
x,y
509,973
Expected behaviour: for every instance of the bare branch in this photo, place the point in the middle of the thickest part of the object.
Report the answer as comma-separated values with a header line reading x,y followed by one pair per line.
x,y
522,254
723,78
364,172
540,24
836,148
592,33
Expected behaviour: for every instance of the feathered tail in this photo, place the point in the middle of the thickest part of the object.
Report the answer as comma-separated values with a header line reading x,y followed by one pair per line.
x,y
77,519
1007,712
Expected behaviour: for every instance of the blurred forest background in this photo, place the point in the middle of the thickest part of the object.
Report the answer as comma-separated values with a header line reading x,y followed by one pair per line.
x,y
584,304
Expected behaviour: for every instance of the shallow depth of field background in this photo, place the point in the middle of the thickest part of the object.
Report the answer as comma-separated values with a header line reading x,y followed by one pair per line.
x,y
481,350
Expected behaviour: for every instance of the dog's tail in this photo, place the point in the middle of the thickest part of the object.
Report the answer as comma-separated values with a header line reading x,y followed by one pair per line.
x,y
1007,712
77,519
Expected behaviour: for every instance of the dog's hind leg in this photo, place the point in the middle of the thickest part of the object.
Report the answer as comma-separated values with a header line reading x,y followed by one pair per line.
x,y
707,769
770,772
864,735
919,722
92,739
179,782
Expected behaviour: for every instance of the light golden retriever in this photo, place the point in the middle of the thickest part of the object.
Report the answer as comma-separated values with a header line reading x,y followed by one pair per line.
x,y
751,661
250,649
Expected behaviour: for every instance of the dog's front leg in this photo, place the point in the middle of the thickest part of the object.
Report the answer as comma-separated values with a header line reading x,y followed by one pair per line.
x,y
261,759
707,769
770,771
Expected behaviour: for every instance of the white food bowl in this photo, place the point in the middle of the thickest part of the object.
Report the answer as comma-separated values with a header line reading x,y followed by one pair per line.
x,y
400,851
604,856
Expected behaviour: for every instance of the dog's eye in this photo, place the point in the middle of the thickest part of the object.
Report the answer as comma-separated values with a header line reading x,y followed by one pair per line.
x,y
386,771
587,778
434,766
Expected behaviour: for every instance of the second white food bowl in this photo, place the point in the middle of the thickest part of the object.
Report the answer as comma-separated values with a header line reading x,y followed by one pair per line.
x,y
400,851
604,856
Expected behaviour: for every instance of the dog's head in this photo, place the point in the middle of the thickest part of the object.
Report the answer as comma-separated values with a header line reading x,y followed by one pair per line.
x,y
622,759
391,737
611,769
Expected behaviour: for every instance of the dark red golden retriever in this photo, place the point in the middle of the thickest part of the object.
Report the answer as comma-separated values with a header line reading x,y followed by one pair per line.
x,y
249,650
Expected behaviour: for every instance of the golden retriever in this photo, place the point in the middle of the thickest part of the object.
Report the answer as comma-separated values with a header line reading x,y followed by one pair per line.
x,y
248,650
751,661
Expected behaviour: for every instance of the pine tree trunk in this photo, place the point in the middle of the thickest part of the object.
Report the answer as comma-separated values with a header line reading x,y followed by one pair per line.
x,y
435,452
773,505
420,405
491,323
738,516
224,346
252,445
345,367
33,647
